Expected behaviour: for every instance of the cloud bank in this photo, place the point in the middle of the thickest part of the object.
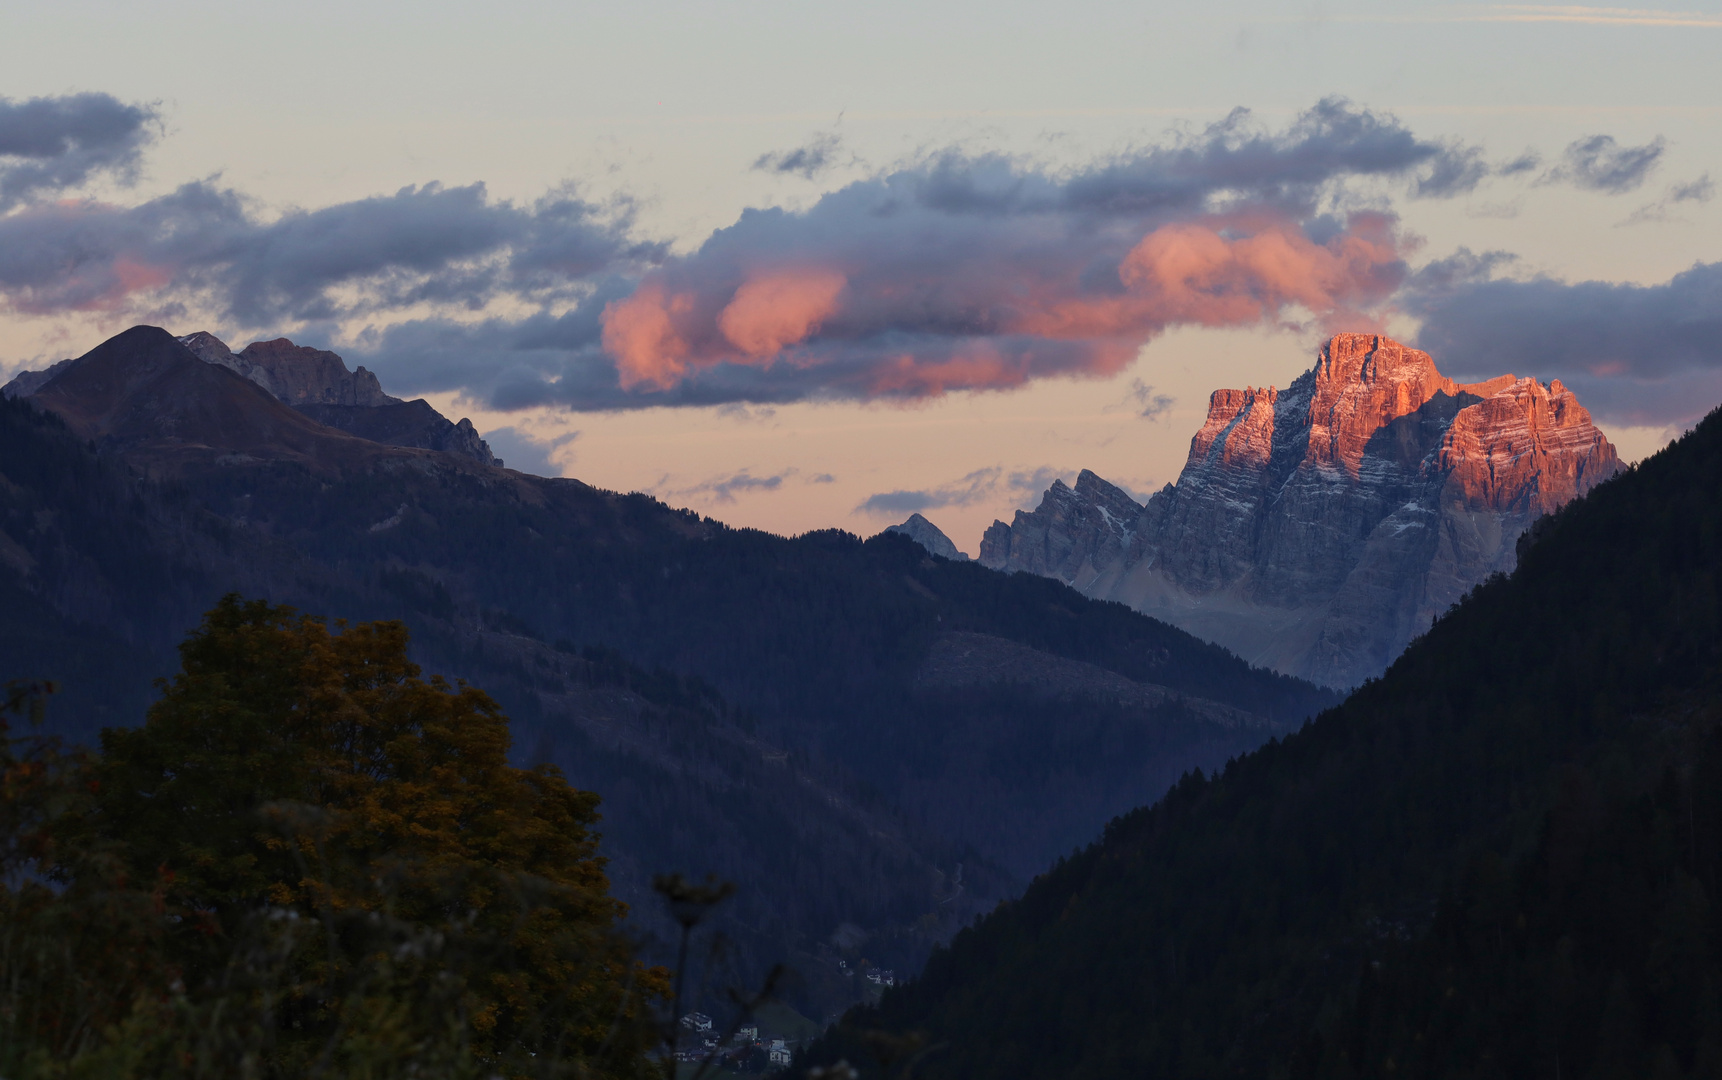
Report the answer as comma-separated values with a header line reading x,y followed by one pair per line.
x,y
954,271
1639,354
206,245
964,272
51,144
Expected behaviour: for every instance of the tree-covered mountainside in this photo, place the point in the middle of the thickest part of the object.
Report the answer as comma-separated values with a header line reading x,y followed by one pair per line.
x,y
821,765
1502,859
101,575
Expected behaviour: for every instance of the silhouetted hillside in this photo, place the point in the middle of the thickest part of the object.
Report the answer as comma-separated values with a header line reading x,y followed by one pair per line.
x,y
832,771
1504,858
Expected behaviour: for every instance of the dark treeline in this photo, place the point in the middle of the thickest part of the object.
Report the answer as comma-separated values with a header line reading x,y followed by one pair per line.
x,y
1502,859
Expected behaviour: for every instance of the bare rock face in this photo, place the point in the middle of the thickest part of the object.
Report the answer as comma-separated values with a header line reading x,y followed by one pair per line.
x,y
305,376
1318,529
317,383
929,536
1072,533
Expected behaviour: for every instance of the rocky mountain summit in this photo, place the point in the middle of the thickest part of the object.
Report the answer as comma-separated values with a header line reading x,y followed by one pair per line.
x,y
1319,528
318,384
929,536
294,373
313,382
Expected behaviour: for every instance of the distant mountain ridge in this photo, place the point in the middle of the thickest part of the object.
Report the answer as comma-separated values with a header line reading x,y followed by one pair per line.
x,y
1318,529
313,382
886,742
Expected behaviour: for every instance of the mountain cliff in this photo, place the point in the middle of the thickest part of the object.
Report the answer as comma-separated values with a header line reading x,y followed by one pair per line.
x,y
1318,529
294,373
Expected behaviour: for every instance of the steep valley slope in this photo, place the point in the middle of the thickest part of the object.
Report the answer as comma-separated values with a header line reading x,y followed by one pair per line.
x,y
1501,859
1316,530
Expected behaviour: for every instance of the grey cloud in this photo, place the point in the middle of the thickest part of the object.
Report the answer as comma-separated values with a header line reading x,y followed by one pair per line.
x,y
724,489
407,240
1464,267
1625,348
807,160
1152,406
976,486
979,486
452,247
891,503
822,478
1701,190
1529,161
1331,141
49,144
56,257
1455,171
1598,163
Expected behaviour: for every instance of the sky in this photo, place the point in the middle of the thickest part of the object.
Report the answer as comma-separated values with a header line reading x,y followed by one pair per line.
x,y
803,266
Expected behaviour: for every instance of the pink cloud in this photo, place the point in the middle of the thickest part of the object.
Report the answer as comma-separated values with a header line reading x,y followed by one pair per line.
x,y
900,324
771,312
641,333
1195,273
659,337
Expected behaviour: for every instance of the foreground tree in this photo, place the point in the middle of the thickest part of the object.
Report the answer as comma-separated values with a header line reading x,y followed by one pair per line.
x,y
350,877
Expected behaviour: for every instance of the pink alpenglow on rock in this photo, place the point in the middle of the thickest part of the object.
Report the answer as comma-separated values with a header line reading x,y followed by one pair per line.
x,y
1319,528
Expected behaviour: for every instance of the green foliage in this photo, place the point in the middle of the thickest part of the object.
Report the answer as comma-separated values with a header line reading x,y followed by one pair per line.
x,y
310,861
1499,860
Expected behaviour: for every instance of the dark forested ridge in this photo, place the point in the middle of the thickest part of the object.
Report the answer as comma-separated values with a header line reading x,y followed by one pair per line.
x,y
816,768
1502,859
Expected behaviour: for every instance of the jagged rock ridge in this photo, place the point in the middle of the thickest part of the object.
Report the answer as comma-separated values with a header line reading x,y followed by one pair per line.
x,y
929,536
1318,529
317,384
296,374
